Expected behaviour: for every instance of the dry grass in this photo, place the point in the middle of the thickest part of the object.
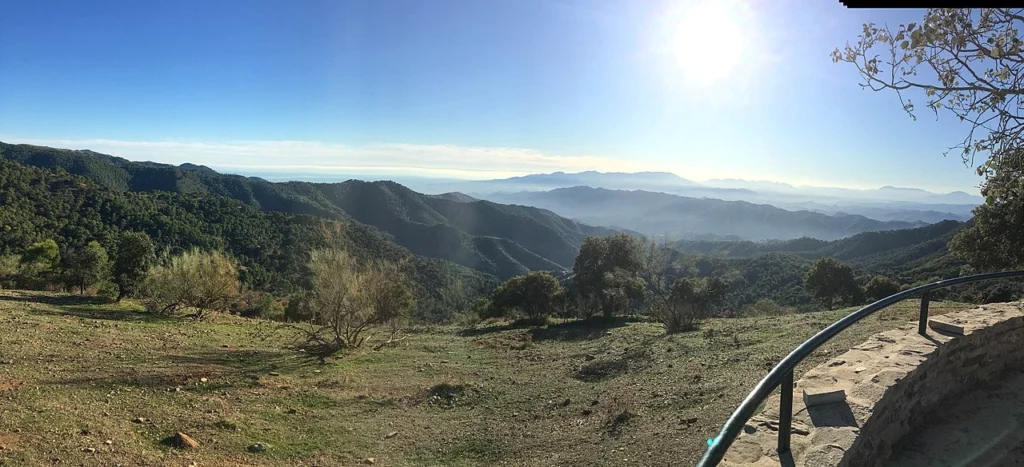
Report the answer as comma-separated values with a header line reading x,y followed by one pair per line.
x,y
74,375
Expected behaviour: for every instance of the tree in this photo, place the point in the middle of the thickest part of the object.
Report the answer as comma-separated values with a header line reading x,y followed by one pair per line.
x,y
690,300
605,272
135,255
966,62
830,280
349,298
533,295
880,287
87,266
969,63
196,280
45,253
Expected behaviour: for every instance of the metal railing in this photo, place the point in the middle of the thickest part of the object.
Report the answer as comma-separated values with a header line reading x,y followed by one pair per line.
x,y
782,375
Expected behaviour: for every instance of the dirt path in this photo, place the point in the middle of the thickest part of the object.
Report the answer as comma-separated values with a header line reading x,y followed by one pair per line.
x,y
984,428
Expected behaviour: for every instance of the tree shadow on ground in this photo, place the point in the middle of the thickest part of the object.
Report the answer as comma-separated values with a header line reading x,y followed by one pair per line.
x,y
83,306
473,332
222,368
580,330
633,359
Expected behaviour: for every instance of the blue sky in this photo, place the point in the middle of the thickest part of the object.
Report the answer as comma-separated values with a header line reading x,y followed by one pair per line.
x,y
470,89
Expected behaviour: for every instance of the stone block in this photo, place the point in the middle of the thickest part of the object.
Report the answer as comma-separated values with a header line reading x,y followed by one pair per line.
x,y
948,326
813,397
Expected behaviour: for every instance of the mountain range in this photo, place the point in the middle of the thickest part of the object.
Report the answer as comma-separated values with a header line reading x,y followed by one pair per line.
x,y
654,213
885,203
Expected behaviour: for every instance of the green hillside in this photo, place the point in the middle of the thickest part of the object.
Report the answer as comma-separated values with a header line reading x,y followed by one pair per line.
x,y
36,204
491,238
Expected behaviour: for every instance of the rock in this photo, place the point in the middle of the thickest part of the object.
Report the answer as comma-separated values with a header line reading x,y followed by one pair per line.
x,y
589,357
370,461
139,420
203,380
391,435
317,371
587,411
274,373
291,411
594,402
182,440
566,402
225,346
258,447
89,450
108,442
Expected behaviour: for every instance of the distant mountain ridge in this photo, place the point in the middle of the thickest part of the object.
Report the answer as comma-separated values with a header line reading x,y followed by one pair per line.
x,y
655,213
482,235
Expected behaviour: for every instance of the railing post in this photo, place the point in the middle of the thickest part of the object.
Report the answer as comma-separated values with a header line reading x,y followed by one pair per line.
x,y
922,320
785,412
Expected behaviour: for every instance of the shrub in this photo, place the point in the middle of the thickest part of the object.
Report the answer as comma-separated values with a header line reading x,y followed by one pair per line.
x,y
349,298
880,287
135,255
768,307
255,304
8,270
690,300
196,280
532,295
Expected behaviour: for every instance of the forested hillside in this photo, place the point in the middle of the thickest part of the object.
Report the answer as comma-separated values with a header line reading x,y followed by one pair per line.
x,y
776,270
494,239
273,247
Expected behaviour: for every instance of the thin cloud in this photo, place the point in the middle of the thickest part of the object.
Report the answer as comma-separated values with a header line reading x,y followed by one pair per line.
x,y
306,156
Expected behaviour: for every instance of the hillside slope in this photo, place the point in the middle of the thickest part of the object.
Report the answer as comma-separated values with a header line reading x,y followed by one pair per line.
x,y
500,240
37,204
656,213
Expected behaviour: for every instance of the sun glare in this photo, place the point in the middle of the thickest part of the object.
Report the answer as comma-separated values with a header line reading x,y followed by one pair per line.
x,y
709,39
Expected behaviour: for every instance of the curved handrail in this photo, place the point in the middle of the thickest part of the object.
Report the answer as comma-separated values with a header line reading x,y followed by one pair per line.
x,y
784,370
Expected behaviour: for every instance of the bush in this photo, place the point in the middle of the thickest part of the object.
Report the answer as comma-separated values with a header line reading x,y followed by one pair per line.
x,y
349,298
196,280
880,287
690,300
533,295
255,304
108,291
9,270
768,307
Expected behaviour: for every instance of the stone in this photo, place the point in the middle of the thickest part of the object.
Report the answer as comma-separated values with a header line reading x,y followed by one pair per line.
x,y
108,442
370,461
203,380
391,435
182,440
139,420
945,325
813,397
589,357
89,450
257,447
274,373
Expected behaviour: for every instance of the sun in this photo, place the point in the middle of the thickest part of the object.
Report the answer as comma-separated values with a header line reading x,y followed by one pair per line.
x,y
708,40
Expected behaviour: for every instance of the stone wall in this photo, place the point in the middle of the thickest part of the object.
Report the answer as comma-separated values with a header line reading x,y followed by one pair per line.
x,y
852,409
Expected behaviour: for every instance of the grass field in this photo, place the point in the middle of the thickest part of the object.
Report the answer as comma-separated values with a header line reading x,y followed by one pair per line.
x,y
93,384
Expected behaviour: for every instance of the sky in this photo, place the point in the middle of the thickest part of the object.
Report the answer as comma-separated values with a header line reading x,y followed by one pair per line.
x,y
469,89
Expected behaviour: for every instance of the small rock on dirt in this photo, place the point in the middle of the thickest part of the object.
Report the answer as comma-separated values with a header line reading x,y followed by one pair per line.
x,y
274,373
258,447
587,411
589,357
391,435
139,420
108,442
203,380
370,461
89,450
566,402
182,440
